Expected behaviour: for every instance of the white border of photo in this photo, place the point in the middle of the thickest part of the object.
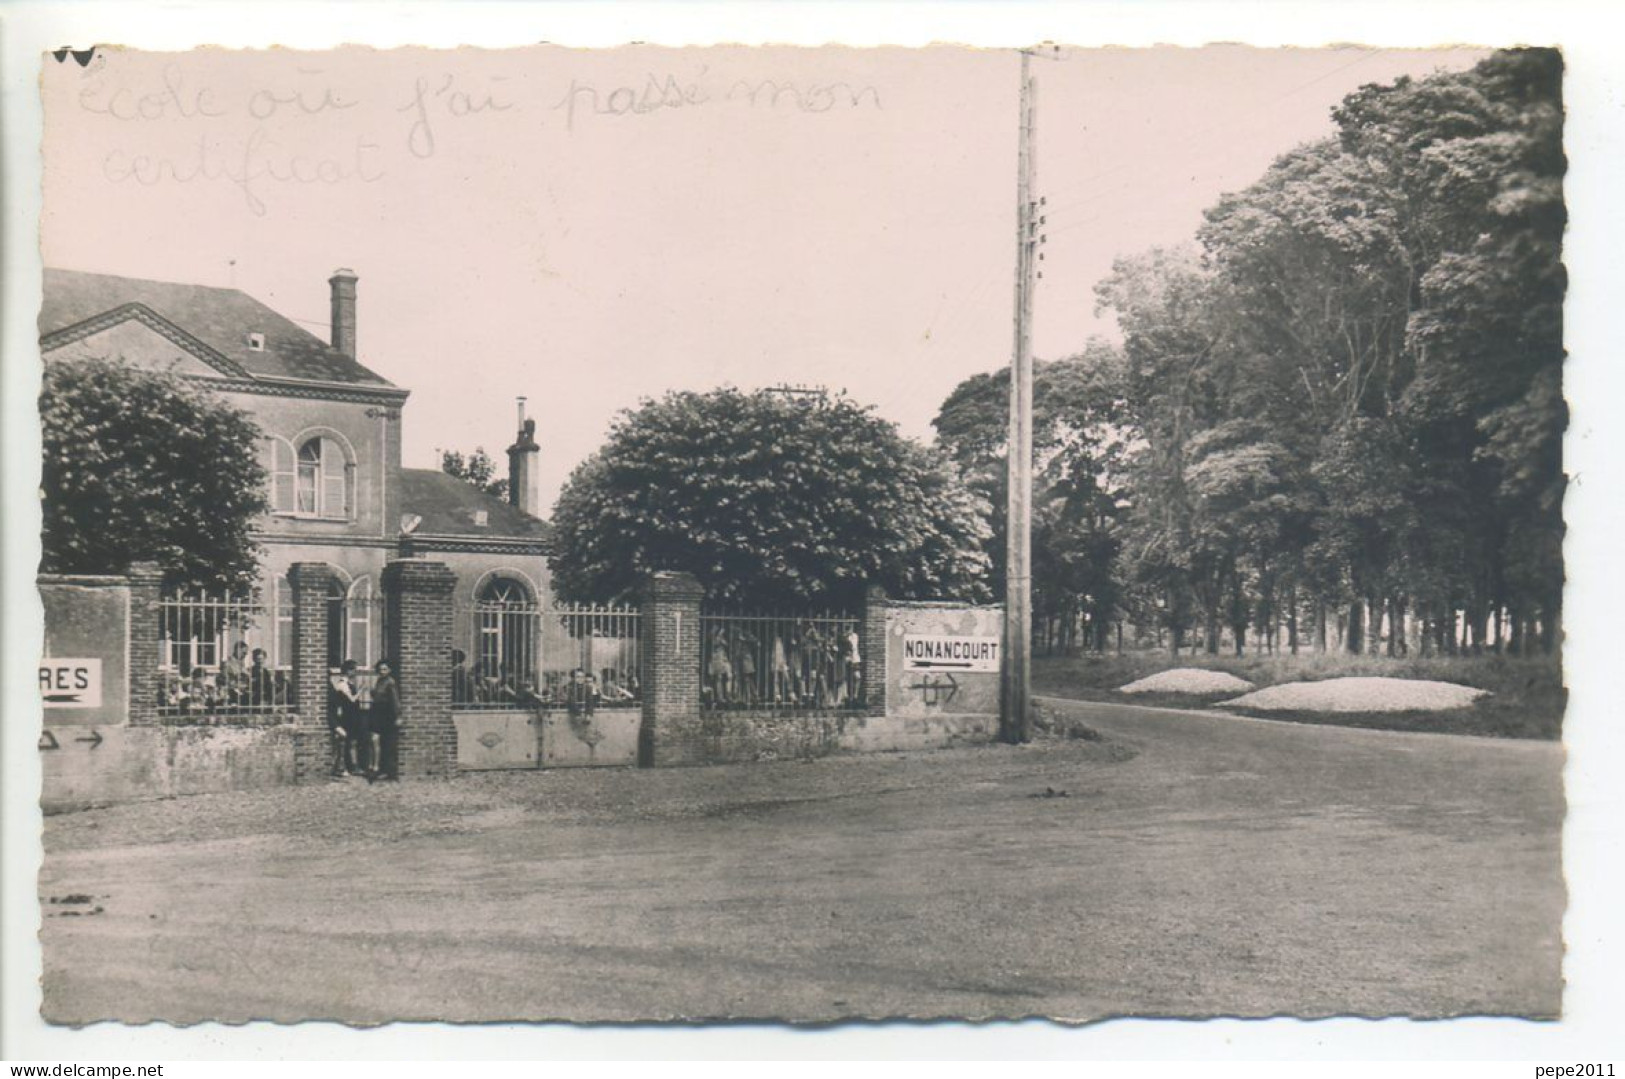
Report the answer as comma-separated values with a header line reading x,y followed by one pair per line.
x,y
1594,91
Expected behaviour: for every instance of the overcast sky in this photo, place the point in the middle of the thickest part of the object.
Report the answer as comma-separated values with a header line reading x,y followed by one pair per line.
x,y
590,228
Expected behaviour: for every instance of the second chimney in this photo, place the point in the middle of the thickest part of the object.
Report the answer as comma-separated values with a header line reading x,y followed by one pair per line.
x,y
342,284
524,481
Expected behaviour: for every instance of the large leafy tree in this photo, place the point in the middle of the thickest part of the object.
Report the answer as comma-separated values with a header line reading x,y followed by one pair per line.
x,y
769,499
145,466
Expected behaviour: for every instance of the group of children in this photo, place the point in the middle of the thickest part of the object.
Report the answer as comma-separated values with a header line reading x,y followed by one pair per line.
x,y
797,666
580,693
243,683
365,734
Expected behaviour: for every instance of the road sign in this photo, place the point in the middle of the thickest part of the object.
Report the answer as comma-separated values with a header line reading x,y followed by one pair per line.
x,y
71,683
951,653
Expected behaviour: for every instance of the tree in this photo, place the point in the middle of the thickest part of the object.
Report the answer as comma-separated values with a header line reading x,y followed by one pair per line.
x,y
768,500
145,466
1353,392
1079,446
477,470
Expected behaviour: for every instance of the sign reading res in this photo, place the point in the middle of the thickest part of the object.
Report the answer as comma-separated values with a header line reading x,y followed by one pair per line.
x,y
71,683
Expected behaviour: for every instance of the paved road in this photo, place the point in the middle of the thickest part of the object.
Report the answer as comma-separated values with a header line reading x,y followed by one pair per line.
x,y
1229,867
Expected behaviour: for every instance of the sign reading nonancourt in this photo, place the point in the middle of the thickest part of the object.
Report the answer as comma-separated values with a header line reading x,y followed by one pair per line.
x,y
950,653
71,683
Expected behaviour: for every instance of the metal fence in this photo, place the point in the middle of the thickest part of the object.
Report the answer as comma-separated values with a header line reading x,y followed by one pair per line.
x,y
780,662
223,655
524,656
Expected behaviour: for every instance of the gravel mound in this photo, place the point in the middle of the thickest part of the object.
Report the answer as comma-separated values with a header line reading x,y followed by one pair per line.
x,y
1189,680
1360,695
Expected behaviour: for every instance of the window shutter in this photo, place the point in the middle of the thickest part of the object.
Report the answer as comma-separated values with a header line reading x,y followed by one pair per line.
x,y
281,467
359,604
282,614
335,481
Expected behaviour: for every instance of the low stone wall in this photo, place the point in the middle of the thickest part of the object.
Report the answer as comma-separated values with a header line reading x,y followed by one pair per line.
x,y
111,765
608,739
727,737
731,737
498,740
884,734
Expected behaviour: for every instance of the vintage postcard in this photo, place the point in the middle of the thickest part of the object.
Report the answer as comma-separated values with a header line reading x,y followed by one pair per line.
x,y
802,534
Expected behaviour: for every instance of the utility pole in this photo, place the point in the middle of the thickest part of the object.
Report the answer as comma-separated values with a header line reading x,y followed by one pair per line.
x,y
1015,672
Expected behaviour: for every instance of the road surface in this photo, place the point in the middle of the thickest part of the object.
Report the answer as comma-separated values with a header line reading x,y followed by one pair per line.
x,y
1225,867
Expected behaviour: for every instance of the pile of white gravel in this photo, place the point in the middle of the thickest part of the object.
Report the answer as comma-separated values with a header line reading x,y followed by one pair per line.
x,y
1360,695
1193,680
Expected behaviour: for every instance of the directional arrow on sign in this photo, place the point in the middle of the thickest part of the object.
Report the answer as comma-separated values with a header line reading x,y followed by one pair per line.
x,y
95,739
62,698
935,665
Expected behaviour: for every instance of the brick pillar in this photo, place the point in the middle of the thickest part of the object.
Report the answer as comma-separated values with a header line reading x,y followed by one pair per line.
x,y
671,666
146,585
873,645
417,594
309,582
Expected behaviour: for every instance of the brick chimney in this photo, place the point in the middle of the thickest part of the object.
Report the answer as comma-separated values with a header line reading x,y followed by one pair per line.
x,y
524,484
342,284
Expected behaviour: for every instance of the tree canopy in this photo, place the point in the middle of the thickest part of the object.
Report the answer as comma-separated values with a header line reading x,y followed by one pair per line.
x,y
1079,449
1346,397
145,466
768,499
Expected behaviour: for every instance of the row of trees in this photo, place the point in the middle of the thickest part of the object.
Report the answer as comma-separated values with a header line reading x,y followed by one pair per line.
x,y
1344,406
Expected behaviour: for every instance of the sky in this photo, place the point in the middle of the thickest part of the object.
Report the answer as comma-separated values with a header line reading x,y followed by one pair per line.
x,y
588,228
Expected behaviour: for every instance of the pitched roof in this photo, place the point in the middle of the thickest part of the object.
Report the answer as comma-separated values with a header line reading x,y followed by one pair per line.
x,y
221,318
448,505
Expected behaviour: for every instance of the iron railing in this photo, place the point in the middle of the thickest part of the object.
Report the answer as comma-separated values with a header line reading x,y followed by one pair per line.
x,y
780,662
524,656
218,656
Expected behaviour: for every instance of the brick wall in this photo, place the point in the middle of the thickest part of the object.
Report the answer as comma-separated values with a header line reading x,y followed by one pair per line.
x,y
418,596
671,669
873,647
146,583
309,582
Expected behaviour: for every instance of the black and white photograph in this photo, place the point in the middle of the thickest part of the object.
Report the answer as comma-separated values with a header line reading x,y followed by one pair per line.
x,y
801,534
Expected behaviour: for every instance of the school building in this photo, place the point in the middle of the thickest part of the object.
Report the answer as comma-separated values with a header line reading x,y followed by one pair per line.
x,y
338,494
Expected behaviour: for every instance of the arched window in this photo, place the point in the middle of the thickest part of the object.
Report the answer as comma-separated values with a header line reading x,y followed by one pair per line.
x,y
506,637
314,479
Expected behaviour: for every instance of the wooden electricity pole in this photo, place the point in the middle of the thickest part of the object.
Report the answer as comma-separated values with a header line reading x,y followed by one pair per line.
x,y
1015,672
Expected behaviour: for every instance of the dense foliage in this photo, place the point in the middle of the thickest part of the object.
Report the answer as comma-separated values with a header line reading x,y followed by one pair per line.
x,y
477,470
144,466
1080,450
1345,405
768,499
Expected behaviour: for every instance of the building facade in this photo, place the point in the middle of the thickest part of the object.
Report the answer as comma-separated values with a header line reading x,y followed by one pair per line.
x,y
337,492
